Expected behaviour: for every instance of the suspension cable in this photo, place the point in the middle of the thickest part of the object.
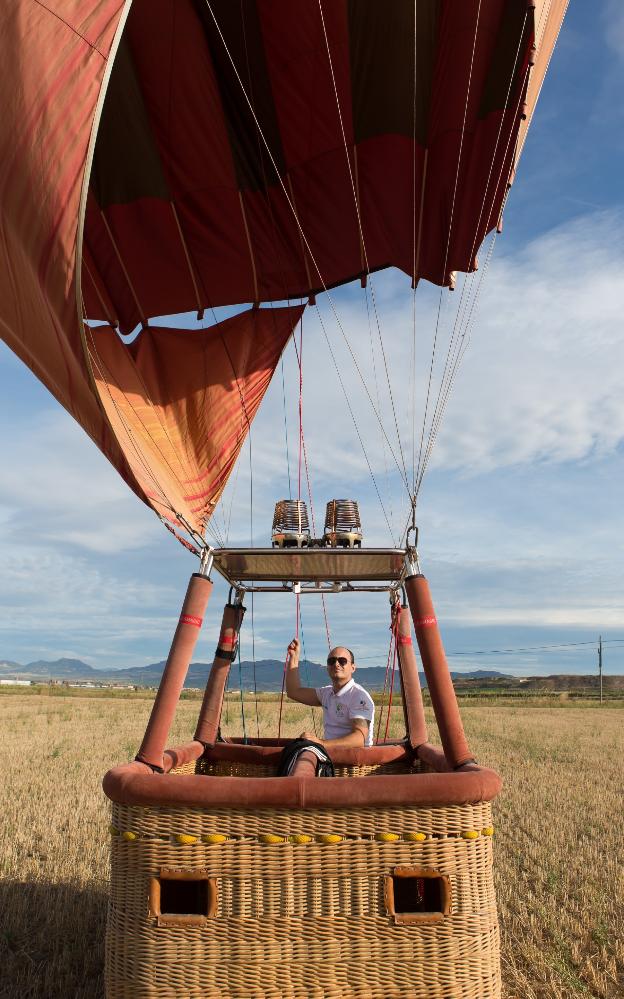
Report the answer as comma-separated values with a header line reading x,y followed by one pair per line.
x,y
303,453
355,423
304,238
462,328
448,240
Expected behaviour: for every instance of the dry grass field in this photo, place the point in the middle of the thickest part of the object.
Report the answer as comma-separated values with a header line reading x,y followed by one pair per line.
x,y
559,837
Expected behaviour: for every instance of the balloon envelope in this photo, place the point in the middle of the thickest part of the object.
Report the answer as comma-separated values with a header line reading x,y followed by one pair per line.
x,y
160,156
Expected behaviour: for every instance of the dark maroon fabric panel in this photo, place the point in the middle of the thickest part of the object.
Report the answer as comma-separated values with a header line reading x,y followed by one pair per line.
x,y
388,96
125,126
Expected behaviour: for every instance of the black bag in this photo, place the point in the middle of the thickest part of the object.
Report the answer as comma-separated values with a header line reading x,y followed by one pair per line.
x,y
291,752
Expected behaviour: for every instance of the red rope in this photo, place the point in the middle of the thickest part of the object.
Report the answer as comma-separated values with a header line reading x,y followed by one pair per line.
x,y
394,627
183,541
303,452
279,721
385,687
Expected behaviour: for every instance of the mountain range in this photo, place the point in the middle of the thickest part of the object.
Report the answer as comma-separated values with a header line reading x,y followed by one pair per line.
x,y
267,674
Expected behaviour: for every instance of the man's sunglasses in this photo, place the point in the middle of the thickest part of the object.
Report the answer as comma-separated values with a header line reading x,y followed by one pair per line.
x,y
332,660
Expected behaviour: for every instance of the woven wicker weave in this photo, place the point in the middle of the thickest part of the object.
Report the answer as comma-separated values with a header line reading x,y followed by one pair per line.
x,y
302,920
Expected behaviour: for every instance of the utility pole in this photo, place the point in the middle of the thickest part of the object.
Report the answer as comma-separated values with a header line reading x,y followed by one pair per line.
x,y
600,664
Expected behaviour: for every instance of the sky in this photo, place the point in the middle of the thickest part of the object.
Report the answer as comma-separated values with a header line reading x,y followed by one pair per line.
x,y
520,511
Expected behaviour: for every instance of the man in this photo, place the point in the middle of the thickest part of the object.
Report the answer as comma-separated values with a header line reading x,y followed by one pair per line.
x,y
348,709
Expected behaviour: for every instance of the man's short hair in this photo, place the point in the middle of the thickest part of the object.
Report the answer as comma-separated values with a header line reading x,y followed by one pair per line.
x,y
351,654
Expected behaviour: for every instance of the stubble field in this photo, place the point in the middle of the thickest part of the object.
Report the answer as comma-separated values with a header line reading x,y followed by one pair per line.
x,y
559,843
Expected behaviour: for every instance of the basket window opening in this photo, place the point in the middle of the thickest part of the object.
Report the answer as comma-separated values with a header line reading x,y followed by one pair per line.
x,y
414,895
184,898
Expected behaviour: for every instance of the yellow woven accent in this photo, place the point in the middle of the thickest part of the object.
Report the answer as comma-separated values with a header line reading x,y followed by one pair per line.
x,y
414,837
184,839
214,838
488,831
387,837
328,838
270,838
470,834
129,836
301,838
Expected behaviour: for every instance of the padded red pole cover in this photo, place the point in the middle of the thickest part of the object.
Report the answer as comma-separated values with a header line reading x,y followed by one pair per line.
x,y
410,681
176,667
436,670
212,704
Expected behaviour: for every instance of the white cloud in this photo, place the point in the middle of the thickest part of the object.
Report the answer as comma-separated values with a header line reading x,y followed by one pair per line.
x,y
510,515
540,382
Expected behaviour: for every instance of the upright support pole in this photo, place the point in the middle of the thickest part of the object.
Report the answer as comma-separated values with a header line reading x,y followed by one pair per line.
x,y
174,675
410,681
212,704
600,664
436,669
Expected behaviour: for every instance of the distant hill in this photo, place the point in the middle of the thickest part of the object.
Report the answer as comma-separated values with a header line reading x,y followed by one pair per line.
x,y
267,675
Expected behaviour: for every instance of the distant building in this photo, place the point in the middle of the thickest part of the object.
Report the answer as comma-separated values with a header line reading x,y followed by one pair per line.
x,y
7,682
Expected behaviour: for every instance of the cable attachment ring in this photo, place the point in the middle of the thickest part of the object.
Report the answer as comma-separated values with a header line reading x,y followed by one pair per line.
x,y
412,527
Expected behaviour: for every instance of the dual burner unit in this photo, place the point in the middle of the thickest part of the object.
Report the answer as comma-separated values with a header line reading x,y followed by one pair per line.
x,y
291,527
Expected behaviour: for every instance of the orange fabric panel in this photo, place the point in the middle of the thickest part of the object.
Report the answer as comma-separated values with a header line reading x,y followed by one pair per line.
x,y
181,402
548,18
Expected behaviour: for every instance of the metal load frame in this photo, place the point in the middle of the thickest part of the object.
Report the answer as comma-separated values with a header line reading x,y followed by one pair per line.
x,y
315,570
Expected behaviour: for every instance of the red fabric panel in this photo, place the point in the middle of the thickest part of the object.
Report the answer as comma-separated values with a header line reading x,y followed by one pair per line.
x,y
247,246
51,70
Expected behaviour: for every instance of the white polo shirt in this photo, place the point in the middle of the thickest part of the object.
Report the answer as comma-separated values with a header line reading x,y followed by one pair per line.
x,y
340,709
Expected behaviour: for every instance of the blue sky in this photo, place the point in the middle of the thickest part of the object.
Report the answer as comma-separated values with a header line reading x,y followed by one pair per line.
x,y
520,511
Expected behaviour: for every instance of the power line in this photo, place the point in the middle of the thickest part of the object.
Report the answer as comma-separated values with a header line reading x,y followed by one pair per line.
x,y
526,648
534,648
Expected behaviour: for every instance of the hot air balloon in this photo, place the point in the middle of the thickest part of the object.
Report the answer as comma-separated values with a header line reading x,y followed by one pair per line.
x,y
161,157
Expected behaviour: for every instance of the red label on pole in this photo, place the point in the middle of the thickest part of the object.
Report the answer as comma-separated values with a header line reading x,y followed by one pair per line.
x,y
405,640
227,638
425,622
191,619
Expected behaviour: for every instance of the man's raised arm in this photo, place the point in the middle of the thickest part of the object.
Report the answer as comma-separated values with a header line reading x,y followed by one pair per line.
x,y
294,690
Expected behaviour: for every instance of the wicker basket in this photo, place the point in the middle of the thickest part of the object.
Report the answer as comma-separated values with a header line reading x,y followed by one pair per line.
x,y
320,917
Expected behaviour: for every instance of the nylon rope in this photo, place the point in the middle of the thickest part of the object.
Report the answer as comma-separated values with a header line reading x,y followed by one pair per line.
x,y
448,240
362,239
385,687
303,453
394,627
462,328
306,667
242,700
355,423
413,345
388,493
251,500
304,238
286,429
253,659
464,299
458,349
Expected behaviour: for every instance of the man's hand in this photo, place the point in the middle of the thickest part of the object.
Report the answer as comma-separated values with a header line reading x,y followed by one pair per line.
x,y
311,737
293,653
